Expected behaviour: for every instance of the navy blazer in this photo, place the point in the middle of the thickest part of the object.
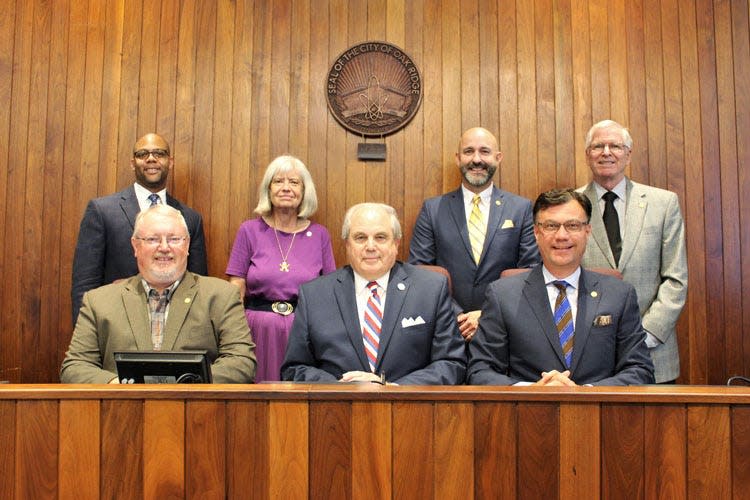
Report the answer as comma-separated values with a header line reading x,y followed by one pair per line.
x,y
326,339
103,252
441,237
517,339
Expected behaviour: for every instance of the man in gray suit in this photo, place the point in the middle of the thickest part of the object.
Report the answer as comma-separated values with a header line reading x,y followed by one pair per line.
x,y
164,307
475,232
377,319
560,324
103,253
644,239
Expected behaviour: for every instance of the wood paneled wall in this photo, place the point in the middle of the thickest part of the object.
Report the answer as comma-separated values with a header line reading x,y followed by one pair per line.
x,y
234,83
343,442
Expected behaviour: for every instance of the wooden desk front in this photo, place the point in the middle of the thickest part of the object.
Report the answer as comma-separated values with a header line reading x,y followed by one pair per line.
x,y
367,441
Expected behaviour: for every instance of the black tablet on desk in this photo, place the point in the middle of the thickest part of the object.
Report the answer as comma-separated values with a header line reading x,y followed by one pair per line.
x,y
163,367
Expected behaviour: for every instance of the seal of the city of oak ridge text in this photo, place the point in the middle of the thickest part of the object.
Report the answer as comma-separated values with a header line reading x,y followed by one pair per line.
x,y
373,88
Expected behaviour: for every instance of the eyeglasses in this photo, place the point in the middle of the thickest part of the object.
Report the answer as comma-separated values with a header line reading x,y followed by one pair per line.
x,y
571,226
143,154
614,147
154,241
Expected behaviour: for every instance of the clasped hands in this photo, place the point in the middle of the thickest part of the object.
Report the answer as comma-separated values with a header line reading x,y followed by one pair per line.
x,y
555,378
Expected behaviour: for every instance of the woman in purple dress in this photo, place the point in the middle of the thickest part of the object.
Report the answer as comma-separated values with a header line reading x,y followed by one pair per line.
x,y
274,254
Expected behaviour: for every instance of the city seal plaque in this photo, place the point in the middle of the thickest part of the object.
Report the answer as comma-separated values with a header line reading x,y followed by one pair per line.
x,y
373,88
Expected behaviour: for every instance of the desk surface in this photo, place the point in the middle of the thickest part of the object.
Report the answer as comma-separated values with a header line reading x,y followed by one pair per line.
x,y
346,441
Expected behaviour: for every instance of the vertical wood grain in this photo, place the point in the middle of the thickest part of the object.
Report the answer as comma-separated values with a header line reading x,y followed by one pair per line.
x,y
78,449
622,452
7,449
413,455
740,431
372,449
708,452
164,449
454,450
331,437
37,431
666,446
580,455
538,464
234,83
247,445
206,442
495,450
289,454
123,424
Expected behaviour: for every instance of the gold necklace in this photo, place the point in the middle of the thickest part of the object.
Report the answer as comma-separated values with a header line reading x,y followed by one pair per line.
x,y
284,265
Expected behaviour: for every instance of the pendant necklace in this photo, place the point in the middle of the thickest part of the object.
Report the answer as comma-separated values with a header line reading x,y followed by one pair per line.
x,y
284,265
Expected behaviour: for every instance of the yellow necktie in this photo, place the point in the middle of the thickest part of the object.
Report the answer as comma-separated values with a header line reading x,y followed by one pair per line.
x,y
476,229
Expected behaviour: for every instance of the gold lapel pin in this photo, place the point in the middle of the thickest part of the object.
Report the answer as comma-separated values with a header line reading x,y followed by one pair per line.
x,y
594,294
187,300
498,202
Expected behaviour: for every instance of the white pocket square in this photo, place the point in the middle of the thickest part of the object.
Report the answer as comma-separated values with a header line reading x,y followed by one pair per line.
x,y
407,322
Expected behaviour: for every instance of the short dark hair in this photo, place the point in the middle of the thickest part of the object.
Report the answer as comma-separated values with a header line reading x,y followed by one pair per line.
x,y
555,197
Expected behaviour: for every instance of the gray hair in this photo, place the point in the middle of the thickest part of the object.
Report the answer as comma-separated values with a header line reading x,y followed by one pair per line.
x,y
281,165
626,139
159,209
389,210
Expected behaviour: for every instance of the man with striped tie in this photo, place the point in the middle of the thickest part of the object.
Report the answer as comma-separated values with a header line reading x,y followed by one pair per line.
x,y
560,324
376,319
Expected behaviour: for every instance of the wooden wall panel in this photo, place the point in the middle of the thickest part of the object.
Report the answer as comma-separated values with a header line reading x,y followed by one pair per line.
x,y
232,84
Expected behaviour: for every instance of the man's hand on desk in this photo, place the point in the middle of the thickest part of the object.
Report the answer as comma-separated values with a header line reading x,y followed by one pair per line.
x,y
555,378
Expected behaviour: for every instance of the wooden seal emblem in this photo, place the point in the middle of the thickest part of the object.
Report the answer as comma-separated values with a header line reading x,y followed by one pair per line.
x,y
373,88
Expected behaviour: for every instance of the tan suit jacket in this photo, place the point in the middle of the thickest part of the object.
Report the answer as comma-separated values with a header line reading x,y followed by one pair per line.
x,y
204,313
653,260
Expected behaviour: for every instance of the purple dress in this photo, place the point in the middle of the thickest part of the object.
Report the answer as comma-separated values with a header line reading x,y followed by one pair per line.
x,y
256,257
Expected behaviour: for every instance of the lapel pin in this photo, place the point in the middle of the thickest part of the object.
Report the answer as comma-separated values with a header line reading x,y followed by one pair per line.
x,y
309,233
594,294
641,205
187,300
401,287
498,202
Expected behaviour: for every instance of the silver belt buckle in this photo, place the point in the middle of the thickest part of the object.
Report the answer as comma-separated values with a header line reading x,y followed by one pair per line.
x,y
283,308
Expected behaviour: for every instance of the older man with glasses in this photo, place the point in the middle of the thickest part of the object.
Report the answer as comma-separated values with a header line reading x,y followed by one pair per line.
x,y
164,307
559,324
103,253
639,231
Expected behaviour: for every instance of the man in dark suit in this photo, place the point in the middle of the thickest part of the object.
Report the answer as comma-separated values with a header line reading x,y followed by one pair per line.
x,y
103,253
475,232
376,319
560,324
164,307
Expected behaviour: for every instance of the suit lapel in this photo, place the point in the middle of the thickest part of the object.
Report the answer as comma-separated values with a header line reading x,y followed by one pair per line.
x,y
598,231
536,294
458,213
129,205
493,219
635,213
179,306
346,300
136,310
588,302
398,287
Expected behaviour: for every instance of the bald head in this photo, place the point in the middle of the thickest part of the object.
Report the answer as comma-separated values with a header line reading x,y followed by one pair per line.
x,y
478,158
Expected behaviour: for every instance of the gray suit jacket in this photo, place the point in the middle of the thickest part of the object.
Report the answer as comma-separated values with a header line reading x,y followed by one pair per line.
x,y
441,238
103,251
204,314
653,260
326,339
517,339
